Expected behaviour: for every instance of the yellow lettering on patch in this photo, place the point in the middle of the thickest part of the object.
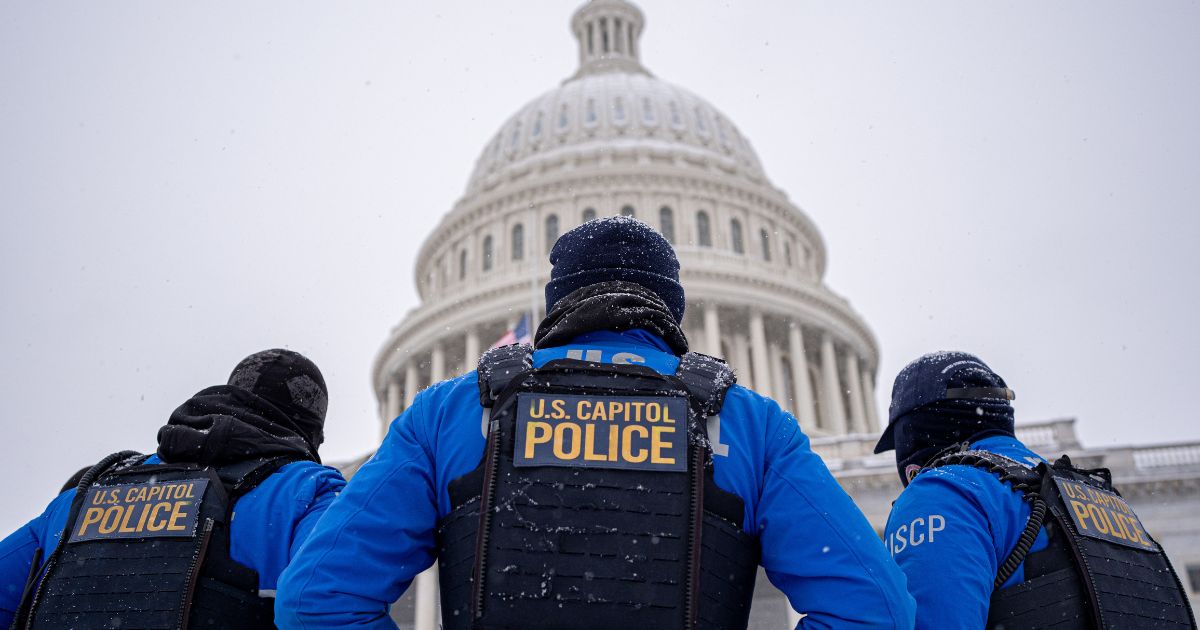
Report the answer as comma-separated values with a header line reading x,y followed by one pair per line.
x,y
566,448
153,525
658,443
178,512
627,453
536,433
90,517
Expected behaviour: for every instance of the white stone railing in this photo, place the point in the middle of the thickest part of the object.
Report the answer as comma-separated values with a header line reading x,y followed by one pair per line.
x,y
1166,456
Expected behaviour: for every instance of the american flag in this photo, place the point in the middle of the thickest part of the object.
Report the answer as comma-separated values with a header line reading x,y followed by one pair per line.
x,y
518,334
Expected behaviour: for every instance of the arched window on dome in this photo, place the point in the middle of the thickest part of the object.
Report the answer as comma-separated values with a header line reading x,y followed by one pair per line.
x,y
488,251
518,242
676,121
619,109
589,214
604,36
537,125
628,211
462,265
515,139
735,237
590,120
765,238
703,230
648,116
787,254
551,231
564,117
617,43
666,224
701,126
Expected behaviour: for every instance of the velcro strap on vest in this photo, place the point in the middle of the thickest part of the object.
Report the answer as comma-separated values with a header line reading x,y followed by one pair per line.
x,y
498,367
707,380
243,477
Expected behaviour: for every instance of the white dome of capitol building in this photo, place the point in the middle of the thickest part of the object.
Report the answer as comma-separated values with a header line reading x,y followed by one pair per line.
x,y
614,139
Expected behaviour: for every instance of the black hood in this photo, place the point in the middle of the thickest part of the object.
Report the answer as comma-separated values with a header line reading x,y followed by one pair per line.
x,y
226,424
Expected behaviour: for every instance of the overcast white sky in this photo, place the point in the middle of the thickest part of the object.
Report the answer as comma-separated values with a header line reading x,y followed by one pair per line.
x,y
185,183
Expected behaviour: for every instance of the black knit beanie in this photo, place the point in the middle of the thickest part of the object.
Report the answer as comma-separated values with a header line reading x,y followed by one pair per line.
x,y
289,381
615,248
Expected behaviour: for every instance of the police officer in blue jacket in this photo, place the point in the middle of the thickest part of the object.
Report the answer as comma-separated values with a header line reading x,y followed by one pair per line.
x,y
153,542
992,535
605,478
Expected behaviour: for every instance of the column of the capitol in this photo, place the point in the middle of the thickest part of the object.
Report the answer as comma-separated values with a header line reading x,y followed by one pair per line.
x,y
762,362
712,331
427,614
831,394
858,416
806,411
868,388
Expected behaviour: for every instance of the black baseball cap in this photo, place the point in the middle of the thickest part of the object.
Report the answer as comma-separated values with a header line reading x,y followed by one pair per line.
x,y
940,376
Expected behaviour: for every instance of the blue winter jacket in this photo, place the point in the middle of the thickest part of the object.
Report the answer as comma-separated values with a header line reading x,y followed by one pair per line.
x,y
951,529
270,523
378,535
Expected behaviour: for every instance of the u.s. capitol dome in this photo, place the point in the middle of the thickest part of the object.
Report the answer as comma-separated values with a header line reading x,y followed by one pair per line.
x,y
615,139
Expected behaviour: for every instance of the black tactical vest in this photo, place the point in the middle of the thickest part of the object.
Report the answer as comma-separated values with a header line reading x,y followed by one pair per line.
x,y
1101,569
594,506
147,546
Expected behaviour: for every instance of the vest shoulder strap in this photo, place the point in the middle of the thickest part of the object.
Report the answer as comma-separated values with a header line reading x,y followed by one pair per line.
x,y
707,379
498,367
1022,478
243,477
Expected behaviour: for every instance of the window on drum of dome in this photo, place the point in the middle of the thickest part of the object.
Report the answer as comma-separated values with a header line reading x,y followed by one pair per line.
x,y
765,238
518,242
628,211
735,236
666,224
703,230
537,125
462,265
617,44
787,254
551,231
676,121
604,36
516,136
619,109
591,111
647,111
591,41
564,117
488,249
589,214
701,126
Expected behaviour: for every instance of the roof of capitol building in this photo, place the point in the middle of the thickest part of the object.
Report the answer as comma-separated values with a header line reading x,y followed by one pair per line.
x,y
613,102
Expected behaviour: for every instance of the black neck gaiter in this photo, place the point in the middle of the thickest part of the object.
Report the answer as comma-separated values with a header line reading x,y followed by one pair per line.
x,y
614,305
924,432
226,424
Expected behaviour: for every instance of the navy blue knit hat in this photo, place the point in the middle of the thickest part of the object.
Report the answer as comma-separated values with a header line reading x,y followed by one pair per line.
x,y
615,248
941,376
